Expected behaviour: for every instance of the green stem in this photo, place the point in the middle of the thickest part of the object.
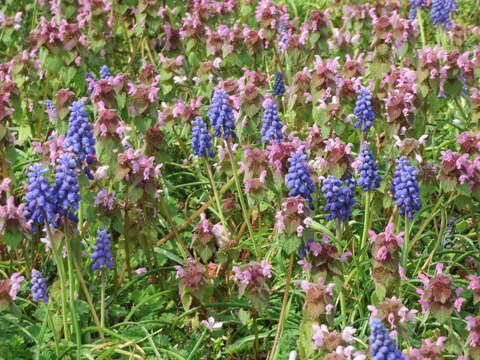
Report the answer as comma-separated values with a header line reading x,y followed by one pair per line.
x,y
42,333
61,273
255,331
126,238
71,288
240,196
422,29
102,299
83,285
197,345
55,338
181,243
365,221
405,243
341,293
278,333
215,194
426,222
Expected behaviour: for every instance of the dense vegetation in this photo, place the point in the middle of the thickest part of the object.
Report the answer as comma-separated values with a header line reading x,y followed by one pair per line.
x,y
239,179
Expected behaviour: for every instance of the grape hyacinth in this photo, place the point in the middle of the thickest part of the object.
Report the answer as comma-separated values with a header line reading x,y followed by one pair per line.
x,y
404,187
340,196
382,346
66,188
272,127
299,179
441,10
279,85
221,115
51,110
364,110
102,254
283,37
39,286
79,135
40,206
201,139
369,178
414,4
90,80
104,72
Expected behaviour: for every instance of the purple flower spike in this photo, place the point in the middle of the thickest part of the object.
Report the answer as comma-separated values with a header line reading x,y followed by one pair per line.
x,y
201,139
102,254
441,11
404,187
340,196
39,286
369,178
105,72
66,190
299,179
80,138
272,127
279,85
382,346
40,205
364,110
221,115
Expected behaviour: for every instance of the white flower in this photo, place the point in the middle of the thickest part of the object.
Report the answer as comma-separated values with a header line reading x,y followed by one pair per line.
x,y
210,324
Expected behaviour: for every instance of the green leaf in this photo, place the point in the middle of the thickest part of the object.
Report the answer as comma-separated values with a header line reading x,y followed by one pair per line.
x,y
166,88
186,300
12,240
244,316
291,244
168,254
24,133
135,194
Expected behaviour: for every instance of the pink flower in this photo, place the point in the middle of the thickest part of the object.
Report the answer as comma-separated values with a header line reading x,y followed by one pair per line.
x,y
15,281
473,325
5,185
438,294
140,271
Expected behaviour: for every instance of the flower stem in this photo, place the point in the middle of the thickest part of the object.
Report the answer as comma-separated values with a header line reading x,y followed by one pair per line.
x,y
194,350
273,353
88,297
78,337
102,299
240,196
422,29
181,243
42,333
255,330
215,194
61,274
405,243
366,220
55,338
341,294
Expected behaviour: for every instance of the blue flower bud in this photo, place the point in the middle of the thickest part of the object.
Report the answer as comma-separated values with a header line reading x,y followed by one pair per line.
x,y
340,197
201,139
102,253
221,115
404,187
39,286
271,127
364,110
299,179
